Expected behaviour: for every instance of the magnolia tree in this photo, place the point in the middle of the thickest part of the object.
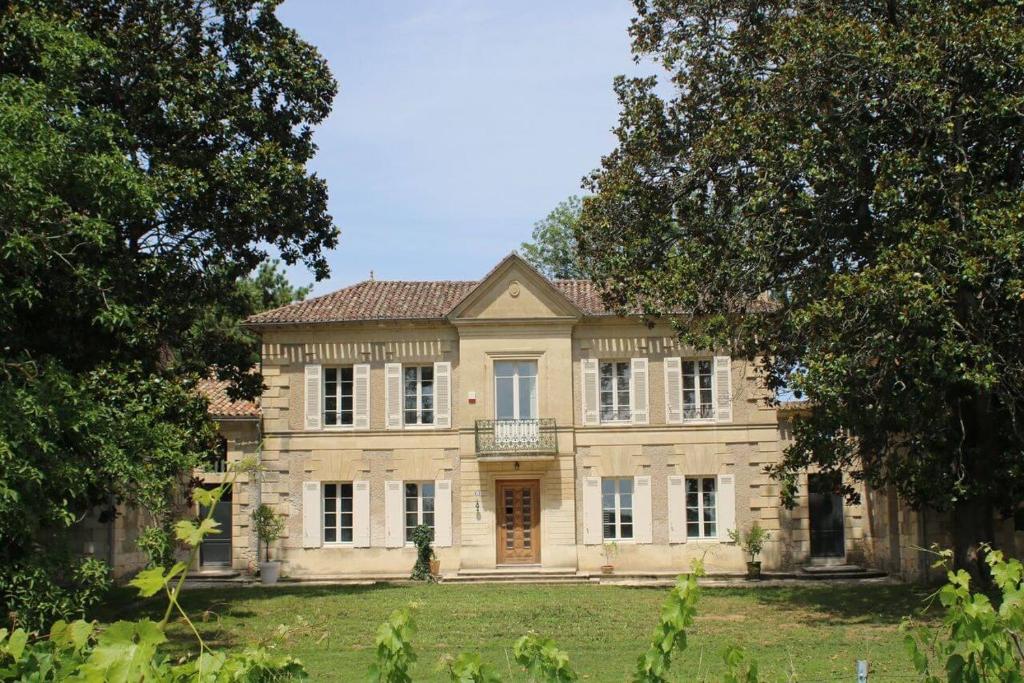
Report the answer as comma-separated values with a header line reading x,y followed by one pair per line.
x,y
861,162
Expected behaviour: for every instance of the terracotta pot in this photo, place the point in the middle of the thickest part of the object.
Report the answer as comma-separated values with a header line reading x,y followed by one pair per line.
x,y
269,572
754,571
435,567
607,568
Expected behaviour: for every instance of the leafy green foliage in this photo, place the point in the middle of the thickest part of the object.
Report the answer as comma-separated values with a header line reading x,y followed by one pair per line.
x,y
677,616
553,249
151,155
130,650
752,542
982,641
422,538
861,164
470,668
268,526
394,648
543,661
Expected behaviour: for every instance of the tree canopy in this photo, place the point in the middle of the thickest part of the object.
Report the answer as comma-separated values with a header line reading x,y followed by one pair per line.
x,y
553,250
152,155
861,162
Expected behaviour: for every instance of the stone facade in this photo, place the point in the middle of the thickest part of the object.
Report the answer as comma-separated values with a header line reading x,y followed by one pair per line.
x,y
514,314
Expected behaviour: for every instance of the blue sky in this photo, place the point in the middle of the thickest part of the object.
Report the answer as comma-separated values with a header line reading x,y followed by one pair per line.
x,y
458,125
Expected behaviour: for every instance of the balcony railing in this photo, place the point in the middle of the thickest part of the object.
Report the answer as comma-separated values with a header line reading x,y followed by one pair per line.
x,y
497,437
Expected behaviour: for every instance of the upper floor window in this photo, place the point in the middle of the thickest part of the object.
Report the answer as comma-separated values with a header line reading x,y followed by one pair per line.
x,y
338,512
701,507
419,395
617,508
698,400
515,390
338,396
615,404
419,506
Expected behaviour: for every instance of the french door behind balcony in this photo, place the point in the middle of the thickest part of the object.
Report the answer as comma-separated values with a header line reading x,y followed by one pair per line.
x,y
515,390
515,404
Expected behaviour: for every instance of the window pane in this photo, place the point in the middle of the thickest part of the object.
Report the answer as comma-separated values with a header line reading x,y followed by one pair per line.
x,y
329,535
427,417
626,485
330,490
607,485
710,529
693,530
346,374
346,535
503,387
626,531
527,368
527,397
504,368
609,531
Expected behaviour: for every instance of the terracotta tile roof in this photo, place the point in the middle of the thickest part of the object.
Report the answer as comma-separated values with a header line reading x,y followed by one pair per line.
x,y
216,392
404,300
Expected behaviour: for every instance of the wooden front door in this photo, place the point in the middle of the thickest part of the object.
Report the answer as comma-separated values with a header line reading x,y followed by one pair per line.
x,y
518,522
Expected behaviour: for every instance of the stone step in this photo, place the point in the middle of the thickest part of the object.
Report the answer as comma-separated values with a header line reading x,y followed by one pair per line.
x,y
548,580
839,571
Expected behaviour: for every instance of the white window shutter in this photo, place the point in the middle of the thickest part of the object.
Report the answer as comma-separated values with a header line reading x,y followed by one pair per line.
x,y
643,520
313,390
394,515
361,396
673,391
393,395
590,396
361,514
443,513
312,519
676,509
593,533
723,389
638,396
726,505
443,395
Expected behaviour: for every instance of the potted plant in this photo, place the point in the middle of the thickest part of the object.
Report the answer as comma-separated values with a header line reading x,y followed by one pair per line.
x,y
427,566
611,550
268,526
752,543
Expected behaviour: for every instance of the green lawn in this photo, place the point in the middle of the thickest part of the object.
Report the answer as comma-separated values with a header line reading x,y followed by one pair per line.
x,y
818,631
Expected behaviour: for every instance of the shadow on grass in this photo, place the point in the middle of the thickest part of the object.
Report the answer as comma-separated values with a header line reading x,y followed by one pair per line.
x,y
852,604
123,602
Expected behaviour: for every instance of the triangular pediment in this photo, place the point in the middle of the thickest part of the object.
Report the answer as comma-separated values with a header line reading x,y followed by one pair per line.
x,y
514,290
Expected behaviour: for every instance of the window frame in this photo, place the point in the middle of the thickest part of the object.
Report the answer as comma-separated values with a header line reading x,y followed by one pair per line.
x,y
516,388
616,406
419,424
406,529
338,396
700,479
713,416
619,538
338,526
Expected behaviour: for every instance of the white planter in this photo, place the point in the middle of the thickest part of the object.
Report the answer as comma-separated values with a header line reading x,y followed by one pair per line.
x,y
269,572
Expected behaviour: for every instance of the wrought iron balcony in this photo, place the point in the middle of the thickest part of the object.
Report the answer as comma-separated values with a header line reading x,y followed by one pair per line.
x,y
523,437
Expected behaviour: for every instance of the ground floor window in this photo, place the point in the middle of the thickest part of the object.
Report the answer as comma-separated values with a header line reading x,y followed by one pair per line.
x,y
419,506
617,508
338,513
701,507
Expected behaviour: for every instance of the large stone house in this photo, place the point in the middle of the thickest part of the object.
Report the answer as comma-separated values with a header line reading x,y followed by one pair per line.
x,y
524,422
530,427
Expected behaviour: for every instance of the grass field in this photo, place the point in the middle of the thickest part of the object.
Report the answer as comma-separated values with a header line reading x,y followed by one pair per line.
x,y
817,631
